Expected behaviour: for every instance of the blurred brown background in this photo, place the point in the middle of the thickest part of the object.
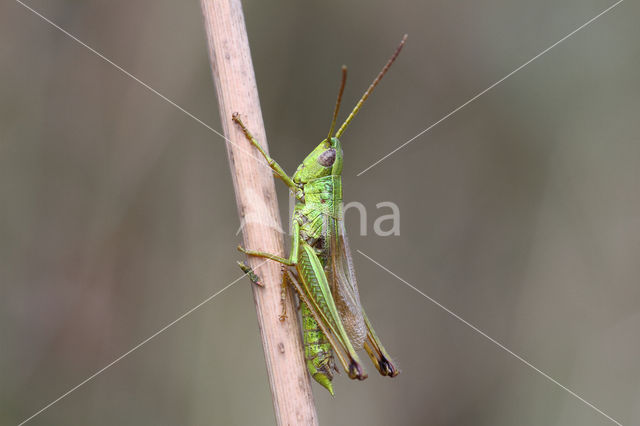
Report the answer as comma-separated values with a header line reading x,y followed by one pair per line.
x,y
520,212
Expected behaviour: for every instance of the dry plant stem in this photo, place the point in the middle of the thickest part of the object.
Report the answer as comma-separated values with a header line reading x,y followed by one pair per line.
x,y
258,210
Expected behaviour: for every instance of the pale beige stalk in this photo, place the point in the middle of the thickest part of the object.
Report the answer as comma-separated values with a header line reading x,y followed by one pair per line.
x,y
258,210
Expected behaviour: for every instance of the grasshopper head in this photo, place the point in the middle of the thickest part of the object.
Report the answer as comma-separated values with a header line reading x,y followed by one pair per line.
x,y
324,160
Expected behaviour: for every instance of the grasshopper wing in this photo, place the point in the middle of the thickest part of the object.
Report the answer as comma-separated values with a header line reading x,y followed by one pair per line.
x,y
344,287
311,283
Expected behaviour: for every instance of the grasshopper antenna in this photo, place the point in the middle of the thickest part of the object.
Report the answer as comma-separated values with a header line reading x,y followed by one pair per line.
x,y
371,87
338,101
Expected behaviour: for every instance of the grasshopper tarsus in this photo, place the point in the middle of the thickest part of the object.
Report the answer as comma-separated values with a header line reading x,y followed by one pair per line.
x,y
236,118
387,369
249,272
356,372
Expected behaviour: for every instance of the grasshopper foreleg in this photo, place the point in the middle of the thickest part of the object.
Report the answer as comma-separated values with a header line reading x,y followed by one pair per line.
x,y
279,171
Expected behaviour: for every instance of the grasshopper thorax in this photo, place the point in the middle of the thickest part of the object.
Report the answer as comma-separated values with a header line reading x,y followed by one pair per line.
x,y
324,160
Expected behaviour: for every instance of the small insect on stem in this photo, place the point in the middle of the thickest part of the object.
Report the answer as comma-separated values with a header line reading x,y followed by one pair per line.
x,y
319,266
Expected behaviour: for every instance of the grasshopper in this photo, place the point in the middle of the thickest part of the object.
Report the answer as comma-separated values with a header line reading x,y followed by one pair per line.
x,y
319,266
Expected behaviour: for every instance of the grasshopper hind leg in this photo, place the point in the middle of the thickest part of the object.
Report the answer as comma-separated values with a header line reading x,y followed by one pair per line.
x,y
377,352
382,364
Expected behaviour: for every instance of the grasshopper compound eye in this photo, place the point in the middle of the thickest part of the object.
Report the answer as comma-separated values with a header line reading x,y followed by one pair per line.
x,y
327,158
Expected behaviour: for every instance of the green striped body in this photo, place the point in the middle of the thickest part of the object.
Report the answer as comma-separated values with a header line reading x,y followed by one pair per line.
x,y
323,200
317,349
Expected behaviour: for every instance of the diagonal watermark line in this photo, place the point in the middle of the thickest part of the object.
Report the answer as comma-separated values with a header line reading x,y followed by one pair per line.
x,y
494,341
136,79
491,87
133,349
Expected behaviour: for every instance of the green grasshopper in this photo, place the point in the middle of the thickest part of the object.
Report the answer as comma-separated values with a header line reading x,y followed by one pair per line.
x,y
319,266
